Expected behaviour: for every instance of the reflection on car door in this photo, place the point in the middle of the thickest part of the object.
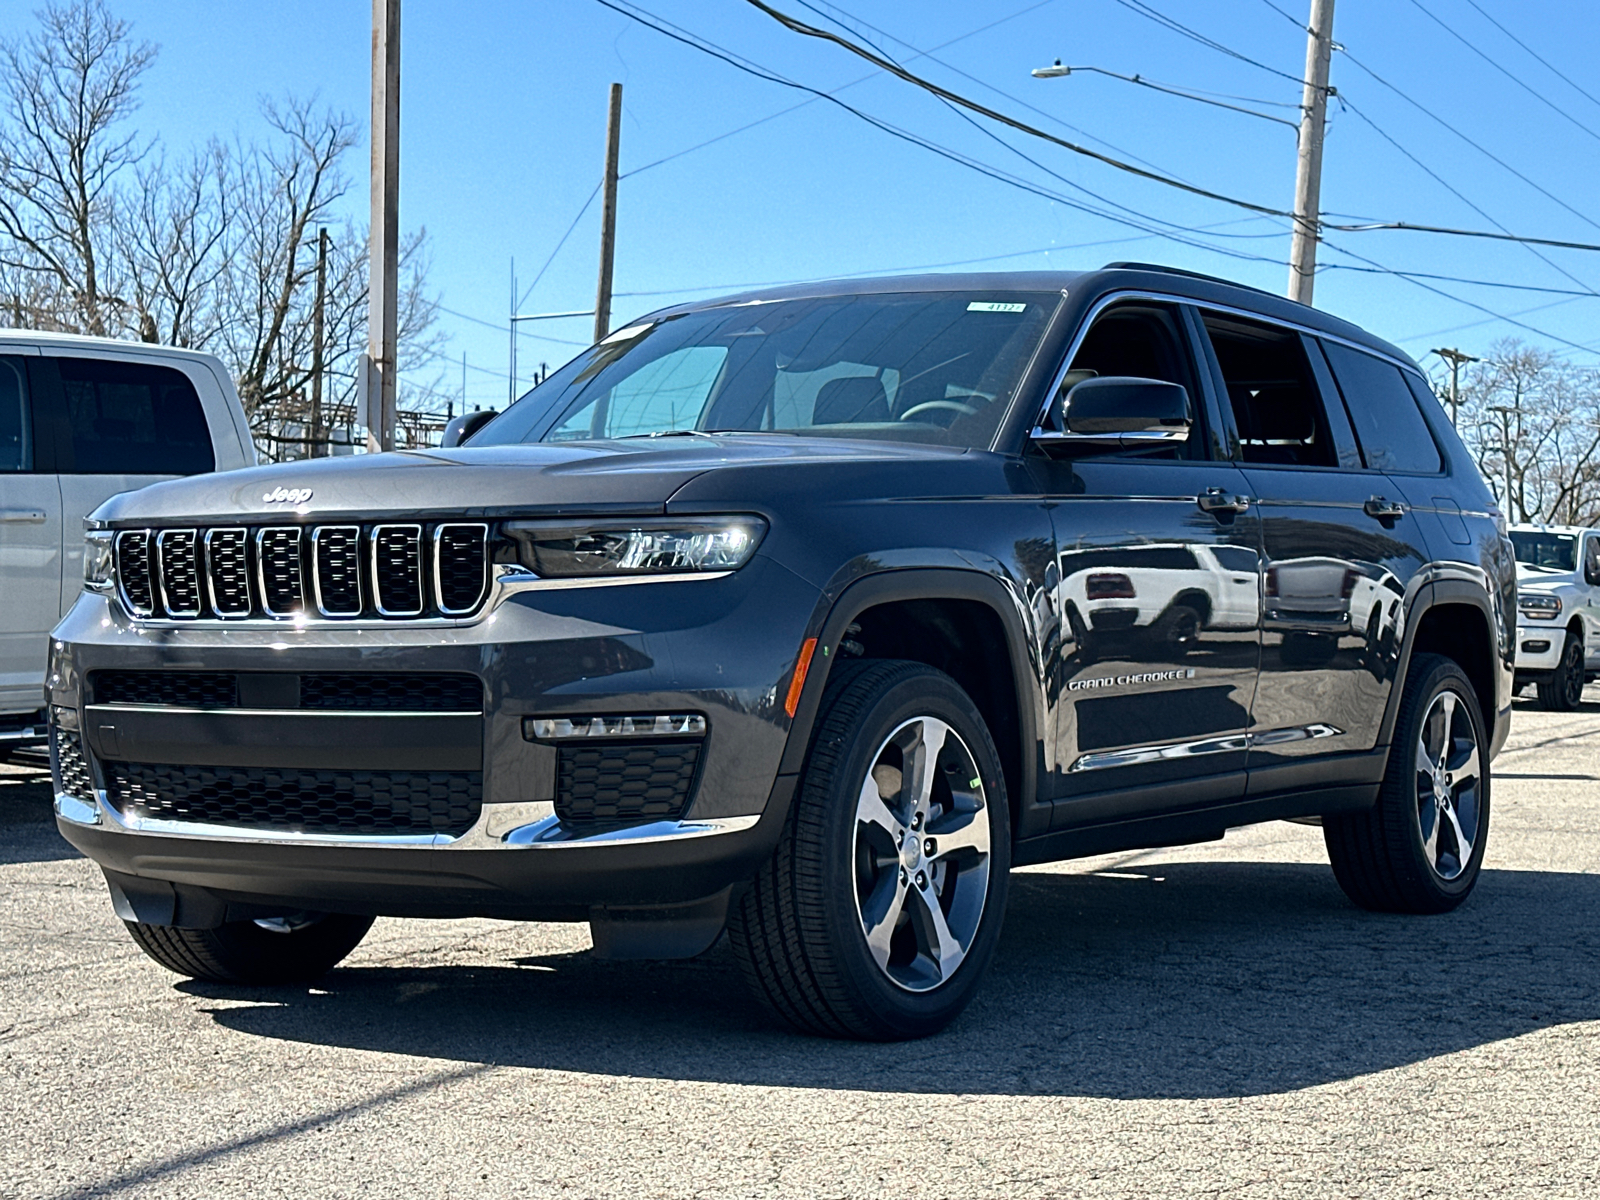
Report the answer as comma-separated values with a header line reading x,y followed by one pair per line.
x,y
1158,600
30,543
1339,557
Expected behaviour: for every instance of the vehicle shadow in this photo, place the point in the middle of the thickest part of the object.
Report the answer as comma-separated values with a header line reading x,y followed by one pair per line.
x,y
1199,980
27,820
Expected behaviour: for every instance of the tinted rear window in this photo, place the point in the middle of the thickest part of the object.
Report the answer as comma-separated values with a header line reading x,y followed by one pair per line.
x,y
133,419
16,446
1393,434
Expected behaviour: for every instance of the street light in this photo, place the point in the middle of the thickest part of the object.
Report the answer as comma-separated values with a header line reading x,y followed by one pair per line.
x,y
1051,72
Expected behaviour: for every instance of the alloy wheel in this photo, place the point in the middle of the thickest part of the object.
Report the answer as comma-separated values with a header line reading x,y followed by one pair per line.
x,y
921,854
1449,786
1572,673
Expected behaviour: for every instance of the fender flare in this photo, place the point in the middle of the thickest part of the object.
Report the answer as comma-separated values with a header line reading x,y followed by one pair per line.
x,y
918,583
1436,594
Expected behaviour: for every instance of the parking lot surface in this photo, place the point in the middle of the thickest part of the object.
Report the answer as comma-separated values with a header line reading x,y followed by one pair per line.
x,y
1203,1021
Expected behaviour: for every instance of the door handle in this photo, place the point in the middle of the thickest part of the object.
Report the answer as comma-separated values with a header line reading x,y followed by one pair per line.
x,y
32,515
1217,500
1384,509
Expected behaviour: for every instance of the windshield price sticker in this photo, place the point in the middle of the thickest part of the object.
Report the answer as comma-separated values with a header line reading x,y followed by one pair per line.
x,y
1106,681
995,306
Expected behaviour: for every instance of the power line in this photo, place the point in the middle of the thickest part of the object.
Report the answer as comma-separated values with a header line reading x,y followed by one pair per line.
x,y
1287,16
499,327
1549,65
1535,93
1166,22
1174,90
562,242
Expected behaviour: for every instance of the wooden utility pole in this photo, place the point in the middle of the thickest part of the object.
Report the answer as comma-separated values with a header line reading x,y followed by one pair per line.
x,y
380,377
608,217
1455,358
318,450
1308,168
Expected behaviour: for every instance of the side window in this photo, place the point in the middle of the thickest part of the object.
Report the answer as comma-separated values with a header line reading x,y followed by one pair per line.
x,y
16,435
1393,434
1276,403
1591,560
1145,341
133,419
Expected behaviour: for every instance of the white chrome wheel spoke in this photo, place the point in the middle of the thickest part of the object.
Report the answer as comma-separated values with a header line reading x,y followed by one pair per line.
x,y
880,914
1425,764
1468,770
873,809
936,940
1430,839
1463,842
958,832
923,766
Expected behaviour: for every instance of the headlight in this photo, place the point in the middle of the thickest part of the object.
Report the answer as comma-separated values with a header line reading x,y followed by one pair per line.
x,y
1538,606
687,545
99,563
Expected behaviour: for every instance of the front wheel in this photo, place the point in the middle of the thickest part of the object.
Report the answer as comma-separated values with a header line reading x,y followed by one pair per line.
x,y
1420,848
878,913
287,949
1563,690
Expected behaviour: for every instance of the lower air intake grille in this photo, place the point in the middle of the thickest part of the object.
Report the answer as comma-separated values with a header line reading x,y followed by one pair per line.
x,y
175,689
360,803
69,768
626,781
392,692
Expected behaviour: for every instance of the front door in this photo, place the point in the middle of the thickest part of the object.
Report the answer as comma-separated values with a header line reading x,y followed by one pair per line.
x,y
30,546
1158,590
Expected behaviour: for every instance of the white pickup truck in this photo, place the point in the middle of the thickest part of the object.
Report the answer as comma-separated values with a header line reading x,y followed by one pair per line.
x,y
1558,611
82,419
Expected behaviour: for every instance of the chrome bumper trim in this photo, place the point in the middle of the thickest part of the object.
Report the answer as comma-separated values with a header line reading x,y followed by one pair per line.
x,y
523,826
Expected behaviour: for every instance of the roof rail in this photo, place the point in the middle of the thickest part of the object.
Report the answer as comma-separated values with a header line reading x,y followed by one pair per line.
x,y
1144,266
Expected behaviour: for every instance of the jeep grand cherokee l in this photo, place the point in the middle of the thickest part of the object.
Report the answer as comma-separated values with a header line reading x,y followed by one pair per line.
x,y
753,617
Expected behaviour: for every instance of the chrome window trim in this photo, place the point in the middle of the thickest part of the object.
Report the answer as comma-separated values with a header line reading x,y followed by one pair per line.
x,y
116,563
161,574
261,574
377,592
438,578
316,573
211,591
1041,434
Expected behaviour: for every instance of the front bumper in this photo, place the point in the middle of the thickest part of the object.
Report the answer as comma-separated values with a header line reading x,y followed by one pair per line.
x,y
720,648
1539,646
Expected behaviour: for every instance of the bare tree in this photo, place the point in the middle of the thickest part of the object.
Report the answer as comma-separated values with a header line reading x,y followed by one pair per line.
x,y
172,236
68,88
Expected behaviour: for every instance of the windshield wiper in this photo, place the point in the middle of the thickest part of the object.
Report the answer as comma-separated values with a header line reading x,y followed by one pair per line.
x,y
662,433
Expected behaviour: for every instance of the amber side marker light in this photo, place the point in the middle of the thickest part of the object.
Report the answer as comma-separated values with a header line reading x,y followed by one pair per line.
x,y
802,664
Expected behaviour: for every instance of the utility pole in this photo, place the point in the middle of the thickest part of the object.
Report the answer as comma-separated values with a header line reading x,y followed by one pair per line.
x,y
608,217
511,388
318,450
1507,411
1308,168
380,374
1455,358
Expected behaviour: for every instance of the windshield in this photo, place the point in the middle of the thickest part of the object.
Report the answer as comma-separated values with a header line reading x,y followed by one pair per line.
x,y
1555,551
931,367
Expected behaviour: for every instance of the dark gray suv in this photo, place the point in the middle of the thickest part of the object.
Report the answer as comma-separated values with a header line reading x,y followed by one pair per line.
x,y
804,615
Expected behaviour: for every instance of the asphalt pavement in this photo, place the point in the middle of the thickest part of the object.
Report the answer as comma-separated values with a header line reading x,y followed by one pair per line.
x,y
1191,1022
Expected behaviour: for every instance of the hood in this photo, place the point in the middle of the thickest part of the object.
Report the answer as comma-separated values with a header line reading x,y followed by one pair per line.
x,y
1534,575
623,477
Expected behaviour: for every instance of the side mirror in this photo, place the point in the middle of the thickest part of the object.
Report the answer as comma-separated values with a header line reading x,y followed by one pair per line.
x,y
463,427
1114,412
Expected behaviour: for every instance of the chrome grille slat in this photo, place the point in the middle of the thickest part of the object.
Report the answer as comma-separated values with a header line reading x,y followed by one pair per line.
x,y
178,559
279,571
228,571
397,570
336,570
133,571
460,567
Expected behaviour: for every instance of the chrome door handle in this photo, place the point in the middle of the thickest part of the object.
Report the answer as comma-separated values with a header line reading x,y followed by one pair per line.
x,y
31,515
1220,500
1384,509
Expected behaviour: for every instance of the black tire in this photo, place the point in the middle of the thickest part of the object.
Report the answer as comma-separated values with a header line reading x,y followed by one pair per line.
x,y
799,932
1562,691
1177,631
1380,855
301,948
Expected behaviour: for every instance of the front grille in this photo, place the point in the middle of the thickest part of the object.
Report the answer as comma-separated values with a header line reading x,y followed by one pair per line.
x,y
626,781
350,691
361,803
331,572
392,692
69,768
173,689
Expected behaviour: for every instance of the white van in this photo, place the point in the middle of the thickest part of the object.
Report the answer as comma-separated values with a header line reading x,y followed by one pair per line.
x,y
80,420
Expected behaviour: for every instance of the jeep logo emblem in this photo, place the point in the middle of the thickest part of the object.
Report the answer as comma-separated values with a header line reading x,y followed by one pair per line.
x,y
283,495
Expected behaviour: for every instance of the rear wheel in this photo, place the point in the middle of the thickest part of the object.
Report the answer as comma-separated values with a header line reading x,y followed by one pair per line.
x,y
1419,850
878,913
287,949
1563,690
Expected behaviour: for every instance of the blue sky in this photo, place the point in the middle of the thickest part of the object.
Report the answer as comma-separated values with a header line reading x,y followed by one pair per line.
x,y
503,118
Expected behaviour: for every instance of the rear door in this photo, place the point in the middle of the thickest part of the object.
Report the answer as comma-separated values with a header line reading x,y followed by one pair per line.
x,y
1342,552
120,424
1158,600
30,540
